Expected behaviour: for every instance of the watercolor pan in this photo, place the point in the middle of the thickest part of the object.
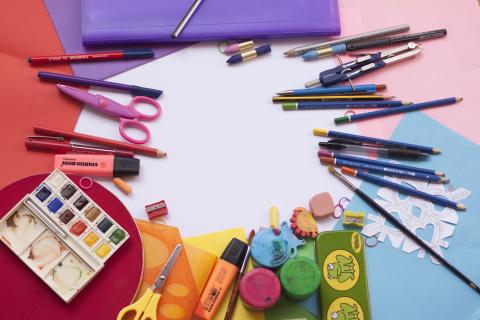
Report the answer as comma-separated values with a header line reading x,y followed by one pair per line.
x,y
68,191
63,247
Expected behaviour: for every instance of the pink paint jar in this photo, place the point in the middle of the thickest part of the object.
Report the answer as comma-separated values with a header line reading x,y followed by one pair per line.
x,y
260,289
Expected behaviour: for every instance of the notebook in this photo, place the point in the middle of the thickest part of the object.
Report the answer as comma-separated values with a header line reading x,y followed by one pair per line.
x,y
127,21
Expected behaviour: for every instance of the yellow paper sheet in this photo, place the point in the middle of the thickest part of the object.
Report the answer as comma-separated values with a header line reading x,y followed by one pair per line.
x,y
215,243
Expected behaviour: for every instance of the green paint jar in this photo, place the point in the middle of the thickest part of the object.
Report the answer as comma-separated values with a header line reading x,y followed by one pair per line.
x,y
300,277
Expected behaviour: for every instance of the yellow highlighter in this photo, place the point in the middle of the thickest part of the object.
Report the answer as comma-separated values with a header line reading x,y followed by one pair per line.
x,y
146,307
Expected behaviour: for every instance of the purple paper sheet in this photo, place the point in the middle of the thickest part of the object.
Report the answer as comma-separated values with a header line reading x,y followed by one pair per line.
x,y
66,17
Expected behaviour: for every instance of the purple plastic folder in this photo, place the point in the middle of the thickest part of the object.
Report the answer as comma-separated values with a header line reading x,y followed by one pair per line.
x,y
140,21
65,15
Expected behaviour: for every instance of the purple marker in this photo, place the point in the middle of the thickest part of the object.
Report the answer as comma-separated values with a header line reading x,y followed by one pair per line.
x,y
249,55
134,90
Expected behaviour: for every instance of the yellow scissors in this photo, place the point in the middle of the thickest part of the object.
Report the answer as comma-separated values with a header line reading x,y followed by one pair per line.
x,y
146,307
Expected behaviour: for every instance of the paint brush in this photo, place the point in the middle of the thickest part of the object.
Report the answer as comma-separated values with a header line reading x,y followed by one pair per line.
x,y
404,229
236,288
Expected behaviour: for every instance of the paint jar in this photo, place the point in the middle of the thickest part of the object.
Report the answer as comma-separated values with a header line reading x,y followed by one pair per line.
x,y
260,289
300,277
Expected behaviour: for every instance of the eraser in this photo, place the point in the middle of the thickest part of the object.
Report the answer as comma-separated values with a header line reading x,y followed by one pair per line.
x,y
321,205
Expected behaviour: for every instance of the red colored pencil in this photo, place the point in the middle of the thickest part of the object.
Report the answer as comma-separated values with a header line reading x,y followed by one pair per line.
x,y
66,147
101,141
98,56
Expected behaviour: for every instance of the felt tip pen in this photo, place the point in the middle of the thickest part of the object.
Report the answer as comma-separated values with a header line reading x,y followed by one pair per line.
x,y
125,54
249,55
390,152
347,47
133,89
221,278
32,143
372,140
97,165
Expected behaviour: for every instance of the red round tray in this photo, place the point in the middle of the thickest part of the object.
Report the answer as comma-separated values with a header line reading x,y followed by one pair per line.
x,y
25,296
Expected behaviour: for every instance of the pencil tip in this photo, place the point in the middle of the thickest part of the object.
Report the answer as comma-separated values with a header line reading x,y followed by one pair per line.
x,y
458,99
285,93
161,154
406,103
460,206
436,150
439,173
444,180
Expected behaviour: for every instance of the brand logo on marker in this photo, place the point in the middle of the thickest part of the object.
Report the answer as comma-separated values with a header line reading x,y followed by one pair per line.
x,y
79,163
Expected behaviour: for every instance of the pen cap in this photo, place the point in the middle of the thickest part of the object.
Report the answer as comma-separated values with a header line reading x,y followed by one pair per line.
x,y
134,53
123,167
235,252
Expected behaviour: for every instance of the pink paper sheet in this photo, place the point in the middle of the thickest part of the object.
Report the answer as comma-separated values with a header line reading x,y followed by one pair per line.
x,y
446,67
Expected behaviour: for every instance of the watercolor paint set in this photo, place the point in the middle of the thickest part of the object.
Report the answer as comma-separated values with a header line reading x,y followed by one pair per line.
x,y
61,235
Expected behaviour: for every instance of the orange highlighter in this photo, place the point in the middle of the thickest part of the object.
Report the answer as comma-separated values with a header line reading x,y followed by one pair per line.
x,y
225,271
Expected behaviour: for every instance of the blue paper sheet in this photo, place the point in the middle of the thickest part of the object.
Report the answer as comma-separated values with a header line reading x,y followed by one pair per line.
x,y
403,286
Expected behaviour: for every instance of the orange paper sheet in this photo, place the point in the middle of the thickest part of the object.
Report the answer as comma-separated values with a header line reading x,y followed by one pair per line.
x,y
26,30
180,295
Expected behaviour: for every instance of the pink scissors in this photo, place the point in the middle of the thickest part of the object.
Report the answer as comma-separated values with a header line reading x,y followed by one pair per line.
x,y
128,115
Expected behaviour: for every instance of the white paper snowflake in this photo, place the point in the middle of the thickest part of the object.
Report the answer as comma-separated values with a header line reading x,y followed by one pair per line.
x,y
415,214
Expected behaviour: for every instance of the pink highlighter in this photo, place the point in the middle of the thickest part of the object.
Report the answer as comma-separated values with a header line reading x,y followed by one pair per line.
x,y
106,165
238,47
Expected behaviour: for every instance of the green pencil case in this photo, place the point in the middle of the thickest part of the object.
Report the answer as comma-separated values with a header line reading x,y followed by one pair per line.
x,y
343,293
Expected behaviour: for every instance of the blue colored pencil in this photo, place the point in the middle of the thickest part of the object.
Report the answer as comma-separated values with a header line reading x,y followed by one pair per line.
x,y
324,153
404,189
387,112
361,88
372,140
383,170
319,105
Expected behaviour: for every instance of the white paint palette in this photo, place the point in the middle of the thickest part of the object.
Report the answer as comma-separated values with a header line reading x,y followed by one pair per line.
x,y
61,235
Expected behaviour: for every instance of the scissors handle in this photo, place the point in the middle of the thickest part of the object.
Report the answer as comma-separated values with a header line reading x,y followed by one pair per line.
x,y
152,102
144,309
127,123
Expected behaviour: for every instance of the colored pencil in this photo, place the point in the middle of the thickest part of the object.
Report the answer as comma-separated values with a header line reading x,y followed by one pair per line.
x,y
321,105
236,286
361,88
404,189
383,170
330,98
125,54
410,234
101,141
382,113
324,153
372,140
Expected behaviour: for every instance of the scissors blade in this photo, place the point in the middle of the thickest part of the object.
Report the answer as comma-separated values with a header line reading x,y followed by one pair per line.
x,y
162,277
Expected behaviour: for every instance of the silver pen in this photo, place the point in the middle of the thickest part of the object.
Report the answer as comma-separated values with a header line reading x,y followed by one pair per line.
x,y
298,51
186,18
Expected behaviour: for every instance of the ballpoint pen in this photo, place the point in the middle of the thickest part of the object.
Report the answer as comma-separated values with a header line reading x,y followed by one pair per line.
x,y
342,48
361,88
